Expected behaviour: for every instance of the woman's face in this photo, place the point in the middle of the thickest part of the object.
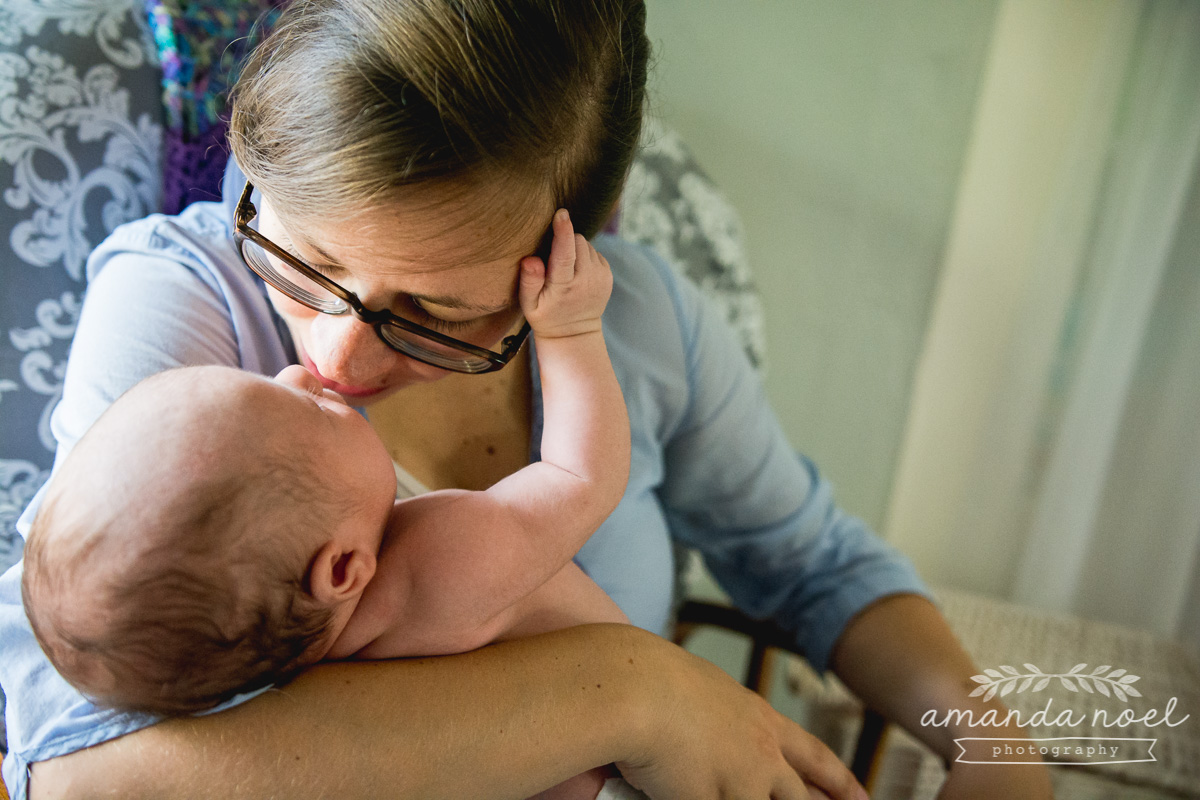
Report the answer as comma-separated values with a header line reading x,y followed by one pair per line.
x,y
451,266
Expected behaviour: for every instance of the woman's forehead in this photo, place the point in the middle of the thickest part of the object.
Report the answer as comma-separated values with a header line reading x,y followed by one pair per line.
x,y
453,243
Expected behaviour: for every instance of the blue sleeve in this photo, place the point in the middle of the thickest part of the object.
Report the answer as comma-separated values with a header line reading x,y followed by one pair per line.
x,y
760,514
160,295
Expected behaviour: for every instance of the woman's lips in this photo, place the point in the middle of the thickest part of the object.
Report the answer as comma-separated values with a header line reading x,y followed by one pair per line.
x,y
340,388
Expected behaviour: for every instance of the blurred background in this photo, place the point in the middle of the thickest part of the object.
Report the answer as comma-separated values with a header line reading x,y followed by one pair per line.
x,y
974,228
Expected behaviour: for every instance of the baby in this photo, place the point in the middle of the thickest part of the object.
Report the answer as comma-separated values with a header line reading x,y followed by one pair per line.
x,y
217,531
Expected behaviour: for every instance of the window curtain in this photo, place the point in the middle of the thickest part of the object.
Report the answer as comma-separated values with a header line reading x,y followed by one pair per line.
x,y
1052,450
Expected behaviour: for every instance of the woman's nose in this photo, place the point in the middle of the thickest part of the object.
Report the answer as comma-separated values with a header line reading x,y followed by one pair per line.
x,y
348,351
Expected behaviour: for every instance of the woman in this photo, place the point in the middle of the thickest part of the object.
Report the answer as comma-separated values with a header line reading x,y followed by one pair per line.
x,y
413,153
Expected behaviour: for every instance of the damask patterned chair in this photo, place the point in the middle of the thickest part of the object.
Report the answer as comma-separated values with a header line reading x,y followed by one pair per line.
x,y
80,136
109,110
93,93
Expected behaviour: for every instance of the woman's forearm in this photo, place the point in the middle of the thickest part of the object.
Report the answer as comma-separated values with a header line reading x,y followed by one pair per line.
x,y
506,721
901,658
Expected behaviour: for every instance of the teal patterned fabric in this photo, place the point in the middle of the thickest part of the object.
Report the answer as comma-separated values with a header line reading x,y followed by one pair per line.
x,y
199,46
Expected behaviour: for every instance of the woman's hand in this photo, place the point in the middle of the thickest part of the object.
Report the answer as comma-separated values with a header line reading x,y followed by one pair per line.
x,y
711,738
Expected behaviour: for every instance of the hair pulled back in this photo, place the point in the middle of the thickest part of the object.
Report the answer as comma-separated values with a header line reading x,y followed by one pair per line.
x,y
349,102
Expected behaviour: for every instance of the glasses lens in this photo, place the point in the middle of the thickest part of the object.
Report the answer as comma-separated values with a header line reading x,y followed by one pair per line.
x,y
291,281
431,352
448,356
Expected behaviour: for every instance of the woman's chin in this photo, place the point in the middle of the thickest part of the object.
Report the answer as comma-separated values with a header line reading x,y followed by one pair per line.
x,y
391,388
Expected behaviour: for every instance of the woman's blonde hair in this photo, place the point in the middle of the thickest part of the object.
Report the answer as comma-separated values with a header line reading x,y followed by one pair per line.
x,y
351,102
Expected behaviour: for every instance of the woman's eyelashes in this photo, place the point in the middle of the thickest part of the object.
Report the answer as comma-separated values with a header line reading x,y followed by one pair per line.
x,y
423,317
325,269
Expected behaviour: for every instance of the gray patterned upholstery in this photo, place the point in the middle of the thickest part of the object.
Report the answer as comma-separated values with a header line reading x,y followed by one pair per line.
x,y
80,134
671,205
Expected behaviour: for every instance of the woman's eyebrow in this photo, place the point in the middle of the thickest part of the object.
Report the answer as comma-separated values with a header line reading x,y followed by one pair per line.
x,y
286,242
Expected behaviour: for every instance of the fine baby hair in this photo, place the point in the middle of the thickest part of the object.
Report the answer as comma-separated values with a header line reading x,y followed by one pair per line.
x,y
350,104
164,570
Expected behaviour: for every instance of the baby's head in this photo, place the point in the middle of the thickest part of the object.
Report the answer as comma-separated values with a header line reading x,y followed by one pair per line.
x,y
209,535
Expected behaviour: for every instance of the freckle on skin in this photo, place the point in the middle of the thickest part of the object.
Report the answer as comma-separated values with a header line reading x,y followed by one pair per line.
x,y
491,451
597,686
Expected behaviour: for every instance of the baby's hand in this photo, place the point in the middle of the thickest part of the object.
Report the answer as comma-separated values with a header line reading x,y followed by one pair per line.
x,y
567,297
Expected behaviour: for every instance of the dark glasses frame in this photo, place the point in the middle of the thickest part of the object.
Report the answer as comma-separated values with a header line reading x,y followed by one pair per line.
x,y
242,231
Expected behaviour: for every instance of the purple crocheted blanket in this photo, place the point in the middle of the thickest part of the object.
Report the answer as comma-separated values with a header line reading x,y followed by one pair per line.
x,y
199,46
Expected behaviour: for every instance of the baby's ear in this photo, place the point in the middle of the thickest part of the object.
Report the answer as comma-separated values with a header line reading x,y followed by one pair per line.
x,y
340,573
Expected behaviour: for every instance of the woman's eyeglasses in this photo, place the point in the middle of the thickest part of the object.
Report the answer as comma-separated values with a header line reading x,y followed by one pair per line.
x,y
309,287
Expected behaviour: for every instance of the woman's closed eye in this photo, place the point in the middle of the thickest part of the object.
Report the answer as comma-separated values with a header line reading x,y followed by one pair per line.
x,y
328,271
412,309
422,317
324,269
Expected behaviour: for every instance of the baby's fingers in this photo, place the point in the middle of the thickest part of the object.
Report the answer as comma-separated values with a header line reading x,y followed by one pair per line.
x,y
533,278
561,266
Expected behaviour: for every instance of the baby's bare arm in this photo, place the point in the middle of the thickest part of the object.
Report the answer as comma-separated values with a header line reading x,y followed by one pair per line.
x,y
585,433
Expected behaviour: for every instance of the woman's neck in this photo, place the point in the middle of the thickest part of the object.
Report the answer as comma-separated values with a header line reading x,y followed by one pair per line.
x,y
463,431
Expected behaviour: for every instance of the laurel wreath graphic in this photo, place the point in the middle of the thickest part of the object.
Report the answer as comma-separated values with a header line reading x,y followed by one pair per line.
x,y
1116,683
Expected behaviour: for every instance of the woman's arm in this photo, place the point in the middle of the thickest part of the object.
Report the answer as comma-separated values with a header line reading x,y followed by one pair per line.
x,y
769,530
471,726
901,658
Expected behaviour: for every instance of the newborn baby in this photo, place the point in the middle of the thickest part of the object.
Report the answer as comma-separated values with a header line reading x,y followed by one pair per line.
x,y
216,531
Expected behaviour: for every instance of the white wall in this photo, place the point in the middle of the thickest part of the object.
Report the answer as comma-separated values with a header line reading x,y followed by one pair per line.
x,y
838,129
